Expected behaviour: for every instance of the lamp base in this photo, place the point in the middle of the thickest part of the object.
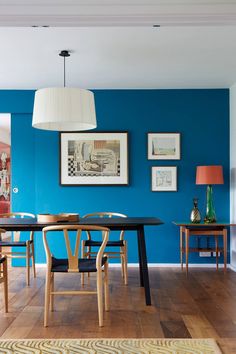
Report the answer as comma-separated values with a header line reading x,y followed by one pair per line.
x,y
208,220
210,210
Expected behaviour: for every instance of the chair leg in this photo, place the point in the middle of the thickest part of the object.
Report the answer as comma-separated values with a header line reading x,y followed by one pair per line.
x,y
100,298
47,297
5,280
33,259
28,263
82,256
89,256
122,262
106,288
125,264
52,290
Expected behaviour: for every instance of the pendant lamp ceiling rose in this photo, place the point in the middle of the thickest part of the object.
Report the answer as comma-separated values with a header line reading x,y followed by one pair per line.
x,y
64,53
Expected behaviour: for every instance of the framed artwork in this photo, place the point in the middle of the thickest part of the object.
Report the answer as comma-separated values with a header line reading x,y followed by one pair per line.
x,y
164,146
164,178
99,158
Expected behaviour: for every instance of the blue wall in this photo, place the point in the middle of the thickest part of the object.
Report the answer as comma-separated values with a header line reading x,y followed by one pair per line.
x,y
202,118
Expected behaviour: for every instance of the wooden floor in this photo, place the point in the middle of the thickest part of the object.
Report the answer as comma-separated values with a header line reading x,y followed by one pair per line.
x,y
202,306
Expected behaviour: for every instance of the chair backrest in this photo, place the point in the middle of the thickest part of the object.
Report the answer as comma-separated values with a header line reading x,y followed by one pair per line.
x,y
16,234
17,215
73,257
106,214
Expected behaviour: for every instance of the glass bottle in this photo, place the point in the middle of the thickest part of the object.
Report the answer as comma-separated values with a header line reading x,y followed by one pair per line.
x,y
195,215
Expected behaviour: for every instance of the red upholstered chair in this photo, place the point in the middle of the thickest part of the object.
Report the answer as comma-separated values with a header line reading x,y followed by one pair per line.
x,y
4,206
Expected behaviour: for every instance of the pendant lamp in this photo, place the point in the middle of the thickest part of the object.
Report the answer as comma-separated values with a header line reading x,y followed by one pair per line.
x,y
64,108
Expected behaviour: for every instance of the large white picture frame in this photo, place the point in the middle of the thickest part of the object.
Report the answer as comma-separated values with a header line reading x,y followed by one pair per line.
x,y
99,158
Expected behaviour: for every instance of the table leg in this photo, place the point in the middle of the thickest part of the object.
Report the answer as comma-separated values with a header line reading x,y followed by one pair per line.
x,y
225,248
181,246
140,263
217,260
144,267
186,248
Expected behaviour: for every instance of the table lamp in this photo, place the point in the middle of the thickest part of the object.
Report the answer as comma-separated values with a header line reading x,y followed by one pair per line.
x,y
209,175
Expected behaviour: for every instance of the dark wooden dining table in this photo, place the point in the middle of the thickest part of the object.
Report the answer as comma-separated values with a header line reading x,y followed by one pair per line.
x,y
130,224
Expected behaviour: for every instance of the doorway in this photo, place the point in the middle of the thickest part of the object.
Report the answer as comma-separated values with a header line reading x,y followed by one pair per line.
x,y
5,163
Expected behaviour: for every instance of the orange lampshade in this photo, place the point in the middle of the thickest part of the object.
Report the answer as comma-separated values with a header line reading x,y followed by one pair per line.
x,y
209,175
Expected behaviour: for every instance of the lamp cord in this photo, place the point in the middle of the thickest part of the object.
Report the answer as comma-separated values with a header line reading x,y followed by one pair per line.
x,y
64,54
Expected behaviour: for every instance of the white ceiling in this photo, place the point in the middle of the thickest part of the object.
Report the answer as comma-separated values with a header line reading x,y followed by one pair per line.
x,y
74,13
194,47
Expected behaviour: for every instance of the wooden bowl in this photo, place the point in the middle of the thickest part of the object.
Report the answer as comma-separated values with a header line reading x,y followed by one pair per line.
x,y
69,217
48,218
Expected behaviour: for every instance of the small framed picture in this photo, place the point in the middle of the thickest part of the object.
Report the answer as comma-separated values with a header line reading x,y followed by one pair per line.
x,y
164,146
99,158
164,178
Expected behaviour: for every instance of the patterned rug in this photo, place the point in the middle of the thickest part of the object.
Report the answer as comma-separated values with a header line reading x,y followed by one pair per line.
x,y
109,346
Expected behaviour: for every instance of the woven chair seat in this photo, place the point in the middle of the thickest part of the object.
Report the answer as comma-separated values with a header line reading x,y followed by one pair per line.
x,y
14,243
85,265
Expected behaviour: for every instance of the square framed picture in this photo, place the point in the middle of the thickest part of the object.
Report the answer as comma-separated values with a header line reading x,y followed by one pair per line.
x,y
163,146
164,178
99,158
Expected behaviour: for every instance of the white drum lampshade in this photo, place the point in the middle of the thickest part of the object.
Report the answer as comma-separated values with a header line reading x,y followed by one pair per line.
x,y
64,109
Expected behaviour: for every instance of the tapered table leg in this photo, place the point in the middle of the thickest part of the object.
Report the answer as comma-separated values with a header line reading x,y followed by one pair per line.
x,y
181,246
144,267
217,247
225,248
140,263
186,248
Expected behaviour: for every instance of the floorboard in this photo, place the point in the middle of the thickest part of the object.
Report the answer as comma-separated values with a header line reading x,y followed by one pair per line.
x,y
201,305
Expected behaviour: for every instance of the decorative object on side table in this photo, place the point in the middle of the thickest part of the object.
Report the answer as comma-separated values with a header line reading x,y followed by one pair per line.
x,y
195,215
163,146
209,175
164,178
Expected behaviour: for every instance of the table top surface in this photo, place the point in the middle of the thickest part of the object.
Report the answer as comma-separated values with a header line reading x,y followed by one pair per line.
x,y
202,224
33,224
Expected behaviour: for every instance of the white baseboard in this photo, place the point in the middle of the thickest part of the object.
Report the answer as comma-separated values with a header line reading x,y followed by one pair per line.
x,y
160,265
232,267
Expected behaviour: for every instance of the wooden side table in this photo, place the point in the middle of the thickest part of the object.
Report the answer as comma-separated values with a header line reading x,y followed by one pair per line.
x,y
188,229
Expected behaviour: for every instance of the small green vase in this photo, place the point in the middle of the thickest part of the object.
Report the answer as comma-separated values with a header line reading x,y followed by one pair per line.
x,y
210,210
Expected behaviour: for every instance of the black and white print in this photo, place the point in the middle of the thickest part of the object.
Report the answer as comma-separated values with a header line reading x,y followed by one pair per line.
x,y
94,158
